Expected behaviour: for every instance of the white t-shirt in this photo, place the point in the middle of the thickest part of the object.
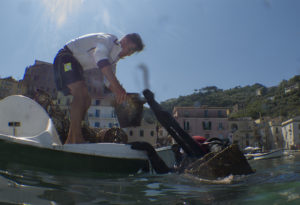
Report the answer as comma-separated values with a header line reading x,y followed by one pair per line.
x,y
92,48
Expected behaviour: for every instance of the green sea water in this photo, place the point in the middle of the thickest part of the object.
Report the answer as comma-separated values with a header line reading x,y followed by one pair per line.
x,y
276,181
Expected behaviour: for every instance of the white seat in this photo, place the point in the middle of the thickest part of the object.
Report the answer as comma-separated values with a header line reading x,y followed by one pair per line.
x,y
21,116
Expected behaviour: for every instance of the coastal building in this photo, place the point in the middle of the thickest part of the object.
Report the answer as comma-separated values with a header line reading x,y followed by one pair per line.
x,y
146,132
163,137
204,121
263,134
10,86
64,102
260,91
237,108
39,76
242,132
291,133
276,133
101,114
95,83
291,88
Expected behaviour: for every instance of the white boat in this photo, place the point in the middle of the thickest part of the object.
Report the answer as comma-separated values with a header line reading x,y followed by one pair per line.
x,y
252,149
28,135
251,152
167,155
268,155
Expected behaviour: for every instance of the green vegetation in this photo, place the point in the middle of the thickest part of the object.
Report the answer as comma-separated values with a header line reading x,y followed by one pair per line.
x,y
282,100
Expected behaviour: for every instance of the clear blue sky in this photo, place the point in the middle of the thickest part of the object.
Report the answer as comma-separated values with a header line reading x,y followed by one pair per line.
x,y
190,44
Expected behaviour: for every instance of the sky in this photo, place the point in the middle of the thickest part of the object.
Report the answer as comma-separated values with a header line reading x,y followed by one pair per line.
x,y
189,44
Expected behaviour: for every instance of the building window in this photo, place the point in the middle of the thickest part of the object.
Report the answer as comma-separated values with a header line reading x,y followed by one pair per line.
x,y
141,133
97,113
207,136
206,125
219,113
152,133
205,113
186,114
221,126
97,102
299,126
110,125
130,132
113,114
97,124
186,125
234,127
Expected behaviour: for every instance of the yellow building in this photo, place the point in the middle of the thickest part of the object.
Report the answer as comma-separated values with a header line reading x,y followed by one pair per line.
x,y
39,76
276,133
146,133
242,132
10,86
291,133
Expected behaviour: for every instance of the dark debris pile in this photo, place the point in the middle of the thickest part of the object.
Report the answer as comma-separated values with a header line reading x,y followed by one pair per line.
x,y
229,161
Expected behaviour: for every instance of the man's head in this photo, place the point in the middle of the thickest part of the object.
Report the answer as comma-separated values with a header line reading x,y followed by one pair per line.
x,y
131,43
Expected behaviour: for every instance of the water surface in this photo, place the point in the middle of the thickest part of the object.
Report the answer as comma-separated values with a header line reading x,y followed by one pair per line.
x,y
276,181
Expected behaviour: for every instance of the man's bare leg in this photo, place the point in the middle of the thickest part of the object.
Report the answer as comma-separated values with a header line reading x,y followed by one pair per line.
x,y
79,106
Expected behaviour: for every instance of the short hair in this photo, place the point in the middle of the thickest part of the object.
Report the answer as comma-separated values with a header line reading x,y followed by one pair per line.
x,y
137,40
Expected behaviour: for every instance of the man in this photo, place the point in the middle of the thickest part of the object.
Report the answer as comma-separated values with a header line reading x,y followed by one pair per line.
x,y
90,51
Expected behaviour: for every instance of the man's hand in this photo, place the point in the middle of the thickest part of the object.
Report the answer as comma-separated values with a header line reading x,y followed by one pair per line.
x,y
115,85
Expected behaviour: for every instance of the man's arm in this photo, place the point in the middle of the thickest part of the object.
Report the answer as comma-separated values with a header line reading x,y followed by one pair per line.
x,y
114,86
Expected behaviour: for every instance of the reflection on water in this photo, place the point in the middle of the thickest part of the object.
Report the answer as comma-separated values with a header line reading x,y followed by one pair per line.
x,y
276,181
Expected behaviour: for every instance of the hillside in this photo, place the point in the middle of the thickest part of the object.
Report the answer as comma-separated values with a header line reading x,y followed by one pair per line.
x,y
282,100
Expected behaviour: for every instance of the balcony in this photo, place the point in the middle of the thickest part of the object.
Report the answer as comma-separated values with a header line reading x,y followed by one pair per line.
x,y
102,116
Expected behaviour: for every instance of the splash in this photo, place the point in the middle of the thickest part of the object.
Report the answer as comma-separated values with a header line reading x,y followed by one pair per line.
x,y
231,179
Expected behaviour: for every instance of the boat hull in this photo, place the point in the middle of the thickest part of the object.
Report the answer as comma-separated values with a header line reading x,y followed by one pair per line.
x,y
57,160
28,136
270,155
